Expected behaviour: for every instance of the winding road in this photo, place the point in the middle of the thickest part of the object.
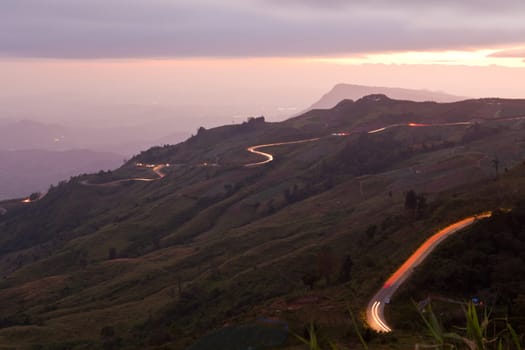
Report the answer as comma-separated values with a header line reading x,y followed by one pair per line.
x,y
268,156
156,168
412,125
375,310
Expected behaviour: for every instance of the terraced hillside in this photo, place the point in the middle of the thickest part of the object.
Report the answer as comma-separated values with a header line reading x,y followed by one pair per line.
x,y
107,260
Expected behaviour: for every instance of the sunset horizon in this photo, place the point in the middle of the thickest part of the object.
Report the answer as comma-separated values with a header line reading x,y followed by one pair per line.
x,y
262,174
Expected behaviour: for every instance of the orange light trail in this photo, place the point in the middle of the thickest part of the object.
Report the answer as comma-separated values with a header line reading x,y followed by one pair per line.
x,y
376,306
413,259
429,245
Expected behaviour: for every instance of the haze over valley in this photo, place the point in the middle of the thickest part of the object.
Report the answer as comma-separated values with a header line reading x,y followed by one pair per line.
x,y
110,134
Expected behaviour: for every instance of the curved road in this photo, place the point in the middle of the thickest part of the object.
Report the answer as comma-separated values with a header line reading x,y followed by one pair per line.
x,y
375,310
255,149
268,156
156,168
418,125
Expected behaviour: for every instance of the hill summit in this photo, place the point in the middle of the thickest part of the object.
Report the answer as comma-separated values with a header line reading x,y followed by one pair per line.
x,y
354,92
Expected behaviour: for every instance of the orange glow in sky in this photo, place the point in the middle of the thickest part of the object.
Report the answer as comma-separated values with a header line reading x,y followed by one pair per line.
x,y
473,58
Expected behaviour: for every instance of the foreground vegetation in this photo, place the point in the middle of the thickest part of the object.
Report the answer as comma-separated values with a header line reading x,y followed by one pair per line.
x,y
479,331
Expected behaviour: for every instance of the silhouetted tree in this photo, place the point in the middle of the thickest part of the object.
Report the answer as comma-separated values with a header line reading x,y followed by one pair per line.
x,y
371,231
107,332
495,165
112,253
346,270
411,201
421,204
34,196
291,195
309,279
325,264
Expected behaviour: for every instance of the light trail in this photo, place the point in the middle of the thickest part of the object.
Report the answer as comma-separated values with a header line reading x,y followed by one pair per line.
x,y
29,200
268,156
375,310
375,314
156,168
412,125
377,130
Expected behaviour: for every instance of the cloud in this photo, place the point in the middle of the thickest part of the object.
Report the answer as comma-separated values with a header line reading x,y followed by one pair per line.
x,y
511,53
469,5
249,28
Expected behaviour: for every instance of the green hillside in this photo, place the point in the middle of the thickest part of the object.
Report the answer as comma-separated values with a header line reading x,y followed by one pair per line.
x,y
159,264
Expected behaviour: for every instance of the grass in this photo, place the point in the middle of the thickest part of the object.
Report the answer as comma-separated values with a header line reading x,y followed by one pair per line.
x,y
231,251
479,333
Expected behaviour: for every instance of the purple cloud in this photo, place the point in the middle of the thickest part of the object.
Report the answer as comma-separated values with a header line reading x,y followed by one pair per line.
x,y
249,28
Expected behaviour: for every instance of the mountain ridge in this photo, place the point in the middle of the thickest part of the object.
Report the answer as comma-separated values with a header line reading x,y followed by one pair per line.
x,y
212,242
354,92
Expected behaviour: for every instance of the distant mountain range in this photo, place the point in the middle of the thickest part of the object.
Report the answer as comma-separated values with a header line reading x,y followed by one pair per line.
x,y
125,140
354,92
23,172
34,155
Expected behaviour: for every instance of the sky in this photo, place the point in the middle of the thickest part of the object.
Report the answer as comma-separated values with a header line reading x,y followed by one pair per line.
x,y
256,55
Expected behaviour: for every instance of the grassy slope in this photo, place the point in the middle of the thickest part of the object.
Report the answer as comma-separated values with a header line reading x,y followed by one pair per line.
x,y
205,244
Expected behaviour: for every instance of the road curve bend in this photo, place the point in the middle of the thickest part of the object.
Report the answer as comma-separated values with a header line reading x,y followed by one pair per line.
x,y
268,156
375,311
156,168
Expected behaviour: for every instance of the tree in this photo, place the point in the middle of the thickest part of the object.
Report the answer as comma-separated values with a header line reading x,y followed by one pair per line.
x,y
411,200
325,264
421,204
107,332
112,253
309,279
34,196
495,165
346,270
371,231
